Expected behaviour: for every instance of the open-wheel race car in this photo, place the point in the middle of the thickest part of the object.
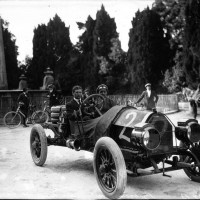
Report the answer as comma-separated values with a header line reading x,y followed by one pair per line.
x,y
124,141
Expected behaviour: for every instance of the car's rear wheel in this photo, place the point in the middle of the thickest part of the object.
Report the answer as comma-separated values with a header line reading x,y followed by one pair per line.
x,y
109,168
38,145
193,172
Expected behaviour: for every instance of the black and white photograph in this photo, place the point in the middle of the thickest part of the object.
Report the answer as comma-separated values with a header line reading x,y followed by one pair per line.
x,y
99,99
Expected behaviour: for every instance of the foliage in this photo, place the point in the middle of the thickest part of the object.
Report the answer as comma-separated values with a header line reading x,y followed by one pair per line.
x,y
192,43
11,52
51,48
39,60
95,47
149,52
173,19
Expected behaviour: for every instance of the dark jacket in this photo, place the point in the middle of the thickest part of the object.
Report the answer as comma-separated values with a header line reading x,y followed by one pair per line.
x,y
24,98
108,103
53,98
149,102
72,106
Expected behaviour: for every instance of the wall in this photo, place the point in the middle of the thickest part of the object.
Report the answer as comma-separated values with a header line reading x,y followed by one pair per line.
x,y
8,100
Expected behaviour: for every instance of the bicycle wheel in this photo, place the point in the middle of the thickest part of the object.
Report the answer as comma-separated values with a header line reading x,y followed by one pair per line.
x,y
12,119
40,117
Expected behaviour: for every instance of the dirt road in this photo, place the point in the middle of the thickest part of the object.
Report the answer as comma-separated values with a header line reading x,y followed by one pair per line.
x,y
69,174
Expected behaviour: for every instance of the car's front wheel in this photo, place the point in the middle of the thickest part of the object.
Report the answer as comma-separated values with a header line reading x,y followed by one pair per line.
x,y
193,172
38,145
109,168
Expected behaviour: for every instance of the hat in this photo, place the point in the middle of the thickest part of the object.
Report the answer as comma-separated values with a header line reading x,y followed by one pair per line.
x,y
102,87
148,84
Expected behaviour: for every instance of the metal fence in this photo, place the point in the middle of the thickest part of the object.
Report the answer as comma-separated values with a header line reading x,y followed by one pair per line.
x,y
8,100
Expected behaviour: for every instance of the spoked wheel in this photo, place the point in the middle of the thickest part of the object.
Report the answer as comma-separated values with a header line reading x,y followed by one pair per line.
x,y
40,117
95,102
193,172
38,145
109,168
12,119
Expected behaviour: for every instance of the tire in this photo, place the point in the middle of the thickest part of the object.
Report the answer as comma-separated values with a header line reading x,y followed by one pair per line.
x,y
38,145
193,172
40,117
12,119
55,115
110,178
55,109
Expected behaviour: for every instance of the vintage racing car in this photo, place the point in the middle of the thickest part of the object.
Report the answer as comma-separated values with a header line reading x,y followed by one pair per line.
x,y
124,141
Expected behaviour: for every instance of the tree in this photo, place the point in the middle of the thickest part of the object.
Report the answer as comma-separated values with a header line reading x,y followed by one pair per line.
x,y
85,47
104,32
39,60
173,19
192,42
51,48
59,45
95,45
11,52
149,50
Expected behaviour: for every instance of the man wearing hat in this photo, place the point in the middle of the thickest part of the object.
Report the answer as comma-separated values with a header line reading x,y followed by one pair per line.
x,y
53,96
24,100
150,97
108,103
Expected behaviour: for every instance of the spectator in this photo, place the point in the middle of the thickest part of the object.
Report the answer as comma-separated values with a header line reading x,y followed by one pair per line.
x,y
108,103
53,96
24,100
150,98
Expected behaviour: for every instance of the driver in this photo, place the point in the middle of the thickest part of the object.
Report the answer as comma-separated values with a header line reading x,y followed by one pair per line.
x,y
75,107
108,103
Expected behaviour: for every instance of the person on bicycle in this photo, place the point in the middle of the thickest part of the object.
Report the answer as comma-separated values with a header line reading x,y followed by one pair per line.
x,y
150,98
24,100
53,96
108,103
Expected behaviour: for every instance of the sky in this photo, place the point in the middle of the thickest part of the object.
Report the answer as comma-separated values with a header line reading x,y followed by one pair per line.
x,y
25,15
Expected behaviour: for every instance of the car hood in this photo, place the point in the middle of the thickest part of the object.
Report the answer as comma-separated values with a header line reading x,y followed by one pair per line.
x,y
130,116
121,116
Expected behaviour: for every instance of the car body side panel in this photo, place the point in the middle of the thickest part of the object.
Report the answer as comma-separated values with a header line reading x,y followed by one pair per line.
x,y
130,117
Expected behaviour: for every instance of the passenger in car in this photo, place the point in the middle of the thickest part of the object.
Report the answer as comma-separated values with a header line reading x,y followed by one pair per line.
x,y
108,103
75,107
150,98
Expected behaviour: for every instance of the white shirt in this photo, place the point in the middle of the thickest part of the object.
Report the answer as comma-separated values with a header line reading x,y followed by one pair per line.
x,y
149,93
78,101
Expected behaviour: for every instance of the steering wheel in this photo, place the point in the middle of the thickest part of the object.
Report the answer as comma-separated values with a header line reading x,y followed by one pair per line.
x,y
94,102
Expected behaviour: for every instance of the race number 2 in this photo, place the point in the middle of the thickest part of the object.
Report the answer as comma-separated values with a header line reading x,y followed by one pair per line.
x,y
131,117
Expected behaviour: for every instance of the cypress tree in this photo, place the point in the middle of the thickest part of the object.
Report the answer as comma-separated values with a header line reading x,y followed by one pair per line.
x,y
149,50
192,42
11,52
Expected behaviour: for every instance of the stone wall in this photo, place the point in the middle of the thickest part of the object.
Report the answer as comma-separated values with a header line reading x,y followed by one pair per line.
x,y
8,100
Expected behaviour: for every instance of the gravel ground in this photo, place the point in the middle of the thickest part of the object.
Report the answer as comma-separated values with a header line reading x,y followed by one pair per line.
x,y
69,174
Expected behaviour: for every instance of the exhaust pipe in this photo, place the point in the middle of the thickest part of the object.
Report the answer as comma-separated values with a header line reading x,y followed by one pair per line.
x,y
73,144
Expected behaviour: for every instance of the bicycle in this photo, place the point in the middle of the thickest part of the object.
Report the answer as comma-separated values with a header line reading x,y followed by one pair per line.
x,y
42,116
13,119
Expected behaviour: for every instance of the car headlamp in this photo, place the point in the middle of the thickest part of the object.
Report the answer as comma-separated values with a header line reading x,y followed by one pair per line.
x,y
188,130
193,132
146,137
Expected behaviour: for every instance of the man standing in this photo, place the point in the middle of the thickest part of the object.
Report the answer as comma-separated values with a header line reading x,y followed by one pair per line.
x,y
53,96
24,100
150,98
